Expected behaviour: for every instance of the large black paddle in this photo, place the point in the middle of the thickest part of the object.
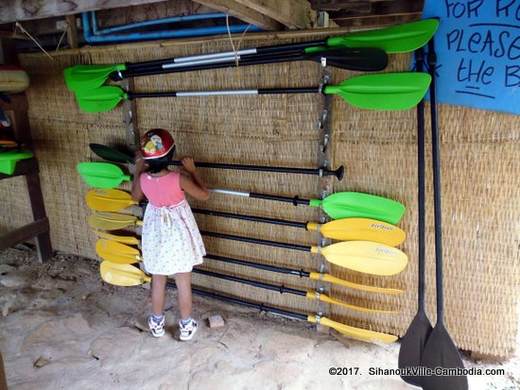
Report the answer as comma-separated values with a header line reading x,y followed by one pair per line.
x,y
440,350
114,155
413,342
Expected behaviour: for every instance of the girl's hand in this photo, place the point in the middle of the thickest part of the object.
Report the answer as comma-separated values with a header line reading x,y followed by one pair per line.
x,y
188,164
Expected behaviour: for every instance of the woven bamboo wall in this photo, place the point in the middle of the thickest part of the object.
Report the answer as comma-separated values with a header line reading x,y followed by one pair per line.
x,y
480,181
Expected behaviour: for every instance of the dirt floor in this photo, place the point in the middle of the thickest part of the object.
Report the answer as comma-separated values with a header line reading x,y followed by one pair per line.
x,y
62,328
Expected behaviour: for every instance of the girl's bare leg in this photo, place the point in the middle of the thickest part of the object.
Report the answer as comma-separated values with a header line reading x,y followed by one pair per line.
x,y
158,285
183,282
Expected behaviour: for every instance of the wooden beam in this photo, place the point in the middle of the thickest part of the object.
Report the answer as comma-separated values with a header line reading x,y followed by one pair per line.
x,y
18,10
234,8
24,233
296,14
72,31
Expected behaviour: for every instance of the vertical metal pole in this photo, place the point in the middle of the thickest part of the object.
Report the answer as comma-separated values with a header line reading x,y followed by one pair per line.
x,y
130,116
325,182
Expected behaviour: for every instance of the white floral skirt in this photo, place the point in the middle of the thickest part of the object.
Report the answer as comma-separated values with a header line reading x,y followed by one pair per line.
x,y
171,241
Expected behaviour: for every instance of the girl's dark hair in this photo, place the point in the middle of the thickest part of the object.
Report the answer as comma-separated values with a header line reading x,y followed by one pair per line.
x,y
156,165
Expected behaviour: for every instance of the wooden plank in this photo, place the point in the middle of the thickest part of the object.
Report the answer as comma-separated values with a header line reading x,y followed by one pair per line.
x,y
295,14
72,31
18,10
24,233
43,239
234,8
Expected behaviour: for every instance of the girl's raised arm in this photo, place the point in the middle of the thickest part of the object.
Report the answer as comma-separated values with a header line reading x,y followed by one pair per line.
x,y
137,192
191,181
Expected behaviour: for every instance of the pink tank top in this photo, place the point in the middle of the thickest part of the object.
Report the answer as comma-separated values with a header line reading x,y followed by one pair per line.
x,y
164,190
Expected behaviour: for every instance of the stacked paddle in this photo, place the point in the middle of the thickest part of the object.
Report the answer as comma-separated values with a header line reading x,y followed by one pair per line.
x,y
423,346
367,243
362,51
363,224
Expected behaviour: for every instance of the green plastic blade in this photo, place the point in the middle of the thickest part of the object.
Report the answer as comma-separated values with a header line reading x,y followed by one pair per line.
x,y
384,91
101,99
101,175
84,77
359,205
8,160
403,38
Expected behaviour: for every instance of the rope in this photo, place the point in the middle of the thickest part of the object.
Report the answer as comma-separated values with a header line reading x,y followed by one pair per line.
x,y
235,50
18,25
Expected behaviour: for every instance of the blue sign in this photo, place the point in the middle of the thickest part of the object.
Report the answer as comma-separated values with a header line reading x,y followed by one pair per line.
x,y
478,53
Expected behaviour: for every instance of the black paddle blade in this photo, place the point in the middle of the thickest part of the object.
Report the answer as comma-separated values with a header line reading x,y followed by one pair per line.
x,y
110,154
413,344
360,59
440,351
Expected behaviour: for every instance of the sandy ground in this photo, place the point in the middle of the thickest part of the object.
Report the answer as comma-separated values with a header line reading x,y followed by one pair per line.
x,y
62,328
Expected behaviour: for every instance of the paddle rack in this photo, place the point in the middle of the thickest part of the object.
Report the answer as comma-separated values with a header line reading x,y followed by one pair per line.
x,y
325,182
39,228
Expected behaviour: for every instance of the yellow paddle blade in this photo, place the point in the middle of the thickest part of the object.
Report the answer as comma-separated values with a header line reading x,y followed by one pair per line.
x,y
108,200
355,286
116,252
112,221
122,274
129,240
360,229
365,256
353,332
311,294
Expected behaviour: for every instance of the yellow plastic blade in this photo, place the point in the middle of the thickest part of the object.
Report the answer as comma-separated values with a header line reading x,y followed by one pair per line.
x,y
112,221
129,240
353,332
108,200
355,286
360,229
122,274
117,252
311,294
365,256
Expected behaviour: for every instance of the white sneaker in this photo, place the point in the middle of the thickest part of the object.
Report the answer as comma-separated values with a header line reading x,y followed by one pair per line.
x,y
188,331
156,328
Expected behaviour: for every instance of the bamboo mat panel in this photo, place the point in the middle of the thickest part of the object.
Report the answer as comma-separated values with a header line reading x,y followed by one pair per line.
x,y
480,180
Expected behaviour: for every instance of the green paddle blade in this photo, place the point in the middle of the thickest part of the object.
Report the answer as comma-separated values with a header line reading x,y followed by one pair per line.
x,y
384,91
8,160
359,205
101,175
80,78
101,99
403,38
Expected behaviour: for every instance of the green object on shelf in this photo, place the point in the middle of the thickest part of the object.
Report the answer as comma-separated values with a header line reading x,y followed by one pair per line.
x,y
9,159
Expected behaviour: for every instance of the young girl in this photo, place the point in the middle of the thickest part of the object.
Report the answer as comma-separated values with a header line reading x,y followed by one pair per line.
x,y
171,241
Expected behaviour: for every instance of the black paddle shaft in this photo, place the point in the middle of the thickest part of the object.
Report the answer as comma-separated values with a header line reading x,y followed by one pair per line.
x,y
275,49
114,155
276,244
432,60
259,306
419,330
357,59
263,91
421,191
266,286
271,268
272,221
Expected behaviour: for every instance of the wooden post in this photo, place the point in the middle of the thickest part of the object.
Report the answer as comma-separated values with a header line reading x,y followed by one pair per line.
x,y
72,31
39,229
